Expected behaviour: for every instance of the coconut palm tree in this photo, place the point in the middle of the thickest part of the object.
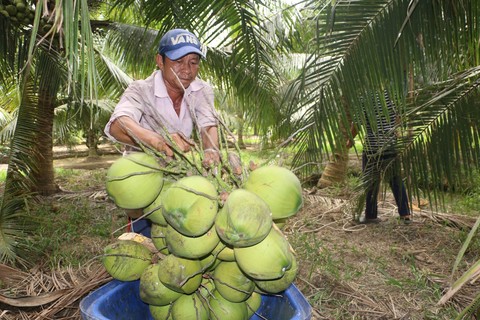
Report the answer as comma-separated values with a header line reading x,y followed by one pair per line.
x,y
365,46
33,61
425,53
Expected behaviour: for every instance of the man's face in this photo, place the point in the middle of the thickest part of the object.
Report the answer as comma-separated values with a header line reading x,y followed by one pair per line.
x,y
184,69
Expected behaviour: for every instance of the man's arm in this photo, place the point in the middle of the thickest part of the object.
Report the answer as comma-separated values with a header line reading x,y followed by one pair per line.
x,y
210,138
128,131
210,146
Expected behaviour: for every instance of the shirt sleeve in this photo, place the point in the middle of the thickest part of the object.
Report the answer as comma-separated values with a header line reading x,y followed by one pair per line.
x,y
125,107
204,108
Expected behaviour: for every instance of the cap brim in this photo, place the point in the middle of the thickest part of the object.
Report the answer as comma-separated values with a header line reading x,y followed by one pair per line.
x,y
180,52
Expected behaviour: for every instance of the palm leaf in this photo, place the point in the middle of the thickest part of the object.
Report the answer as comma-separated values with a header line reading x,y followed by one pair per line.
x,y
357,50
472,273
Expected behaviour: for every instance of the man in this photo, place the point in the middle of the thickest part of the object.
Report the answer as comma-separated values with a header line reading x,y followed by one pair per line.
x,y
161,111
379,154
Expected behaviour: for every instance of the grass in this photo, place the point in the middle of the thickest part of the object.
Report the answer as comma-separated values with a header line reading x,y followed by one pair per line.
x,y
73,228
61,233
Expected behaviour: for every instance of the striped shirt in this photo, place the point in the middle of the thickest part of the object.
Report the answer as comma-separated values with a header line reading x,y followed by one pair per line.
x,y
380,125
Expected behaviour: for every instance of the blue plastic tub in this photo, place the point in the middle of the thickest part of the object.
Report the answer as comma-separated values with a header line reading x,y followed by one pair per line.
x,y
118,300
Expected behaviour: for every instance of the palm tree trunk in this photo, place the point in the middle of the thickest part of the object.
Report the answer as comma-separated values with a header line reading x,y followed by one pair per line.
x,y
92,143
44,174
336,169
240,130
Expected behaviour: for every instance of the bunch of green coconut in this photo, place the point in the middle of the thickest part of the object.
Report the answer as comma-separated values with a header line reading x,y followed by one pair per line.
x,y
211,255
18,11
21,13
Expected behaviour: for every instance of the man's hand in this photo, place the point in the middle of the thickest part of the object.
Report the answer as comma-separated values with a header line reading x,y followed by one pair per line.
x,y
182,143
211,158
159,143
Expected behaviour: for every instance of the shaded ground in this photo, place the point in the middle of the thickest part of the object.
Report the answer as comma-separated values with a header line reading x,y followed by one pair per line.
x,y
107,155
77,157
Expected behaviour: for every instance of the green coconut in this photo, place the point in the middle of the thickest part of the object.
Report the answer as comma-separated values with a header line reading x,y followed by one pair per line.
x,y
191,247
190,205
134,181
281,284
279,187
209,262
244,220
179,274
224,252
192,306
11,9
21,7
161,312
232,283
154,211
157,233
206,288
253,303
153,291
126,260
268,259
222,309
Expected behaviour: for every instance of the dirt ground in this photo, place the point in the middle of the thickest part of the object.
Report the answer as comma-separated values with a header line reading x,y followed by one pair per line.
x,y
379,271
76,157
349,271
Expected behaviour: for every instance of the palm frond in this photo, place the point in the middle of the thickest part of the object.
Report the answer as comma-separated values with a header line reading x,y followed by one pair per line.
x,y
442,143
357,50
132,48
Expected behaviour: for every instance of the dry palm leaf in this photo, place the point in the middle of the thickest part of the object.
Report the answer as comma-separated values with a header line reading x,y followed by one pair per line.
x,y
10,276
452,220
57,293
33,301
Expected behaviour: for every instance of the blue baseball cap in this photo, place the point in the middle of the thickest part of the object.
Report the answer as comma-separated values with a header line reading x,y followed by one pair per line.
x,y
177,43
